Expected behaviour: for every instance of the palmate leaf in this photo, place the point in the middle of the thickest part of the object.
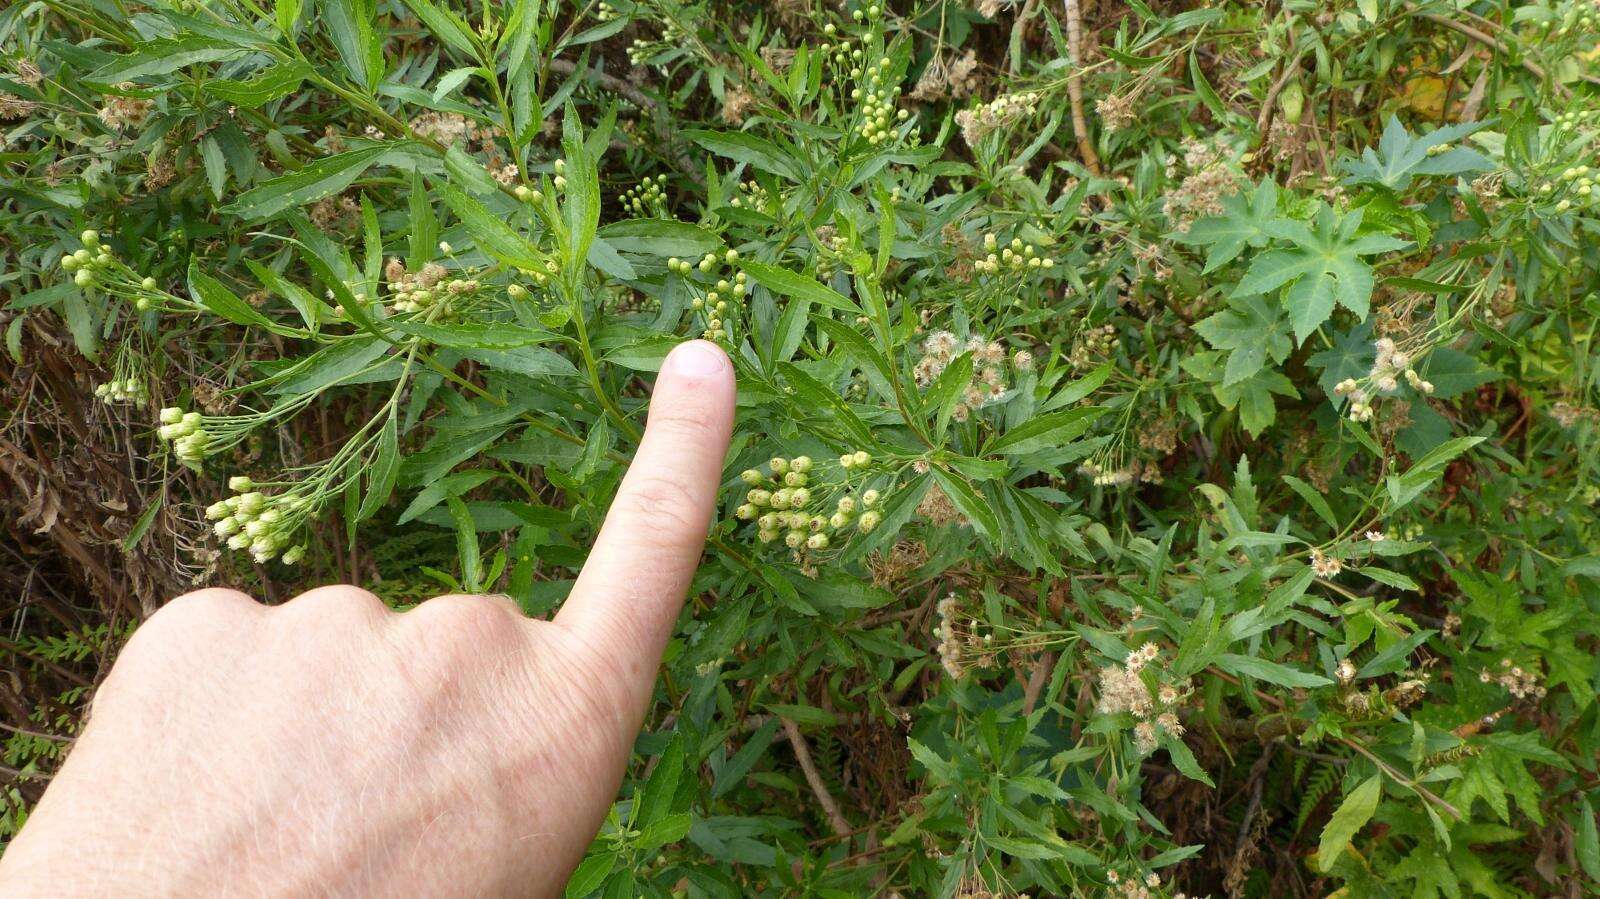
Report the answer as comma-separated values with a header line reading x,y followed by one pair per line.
x,y
1251,396
1401,157
1251,330
1243,223
1323,268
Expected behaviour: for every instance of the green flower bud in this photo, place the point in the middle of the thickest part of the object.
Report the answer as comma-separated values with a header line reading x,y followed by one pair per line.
x,y
870,498
794,479
69,264
90,238
779,465
745,512
868,521
148,283
750,476
83,278
782,498
801,464
759,497
862,457
216,511
171,415
799,497
241,483
794,539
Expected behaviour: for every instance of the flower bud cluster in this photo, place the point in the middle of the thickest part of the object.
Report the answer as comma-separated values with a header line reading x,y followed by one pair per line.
x,y
875,87
1094,345
93,257
1577,19
753,195
426,289
785,503
647,200
1574,186
1390,366
123,390
996,114
962,644
715,303
1015,255
1520,682
988,382
186,432
1123,690
261,524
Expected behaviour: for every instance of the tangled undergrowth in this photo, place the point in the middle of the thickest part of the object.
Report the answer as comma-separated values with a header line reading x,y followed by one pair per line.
x,y
1165,461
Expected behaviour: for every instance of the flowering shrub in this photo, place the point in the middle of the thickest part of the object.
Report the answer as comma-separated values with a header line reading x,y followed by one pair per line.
x,y
1165,460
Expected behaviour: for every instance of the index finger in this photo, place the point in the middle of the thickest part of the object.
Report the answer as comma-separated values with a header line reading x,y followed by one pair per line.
x,y
628,596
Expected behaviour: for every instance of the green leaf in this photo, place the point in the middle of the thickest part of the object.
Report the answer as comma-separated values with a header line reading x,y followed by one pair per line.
x,y
524,360
786,283
349,24
1313,499
1422,473
274,83
385,466
1351,815
1271,672
445,25
975,508
490,232
1252,330
660,237
1586,844
581,198
466,544
1323,268
1051,430
1400,157
1243,222
325,177
210,293
748,149
591,874
163,56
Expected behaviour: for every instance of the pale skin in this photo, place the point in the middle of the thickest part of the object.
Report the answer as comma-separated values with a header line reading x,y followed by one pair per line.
x,y
330,746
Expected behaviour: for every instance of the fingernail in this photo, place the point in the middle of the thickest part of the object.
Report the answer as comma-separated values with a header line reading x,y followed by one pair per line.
x,y
697,359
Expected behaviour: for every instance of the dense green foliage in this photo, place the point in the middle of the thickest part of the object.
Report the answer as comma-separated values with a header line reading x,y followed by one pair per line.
x,y
1166,447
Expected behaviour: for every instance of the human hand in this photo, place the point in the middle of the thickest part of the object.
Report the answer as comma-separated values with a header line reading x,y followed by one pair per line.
x,y
329,746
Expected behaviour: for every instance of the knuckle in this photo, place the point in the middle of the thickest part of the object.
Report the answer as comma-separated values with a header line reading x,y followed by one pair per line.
x,y
666,504
682,420
335,602
464,616
213,604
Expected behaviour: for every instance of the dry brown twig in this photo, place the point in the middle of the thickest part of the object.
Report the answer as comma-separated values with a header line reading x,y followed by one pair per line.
x,y
1091,160
802,754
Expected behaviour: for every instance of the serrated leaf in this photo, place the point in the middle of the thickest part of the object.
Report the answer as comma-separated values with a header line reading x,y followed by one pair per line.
x,y
322,178
1324,267
1348,819
789,284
